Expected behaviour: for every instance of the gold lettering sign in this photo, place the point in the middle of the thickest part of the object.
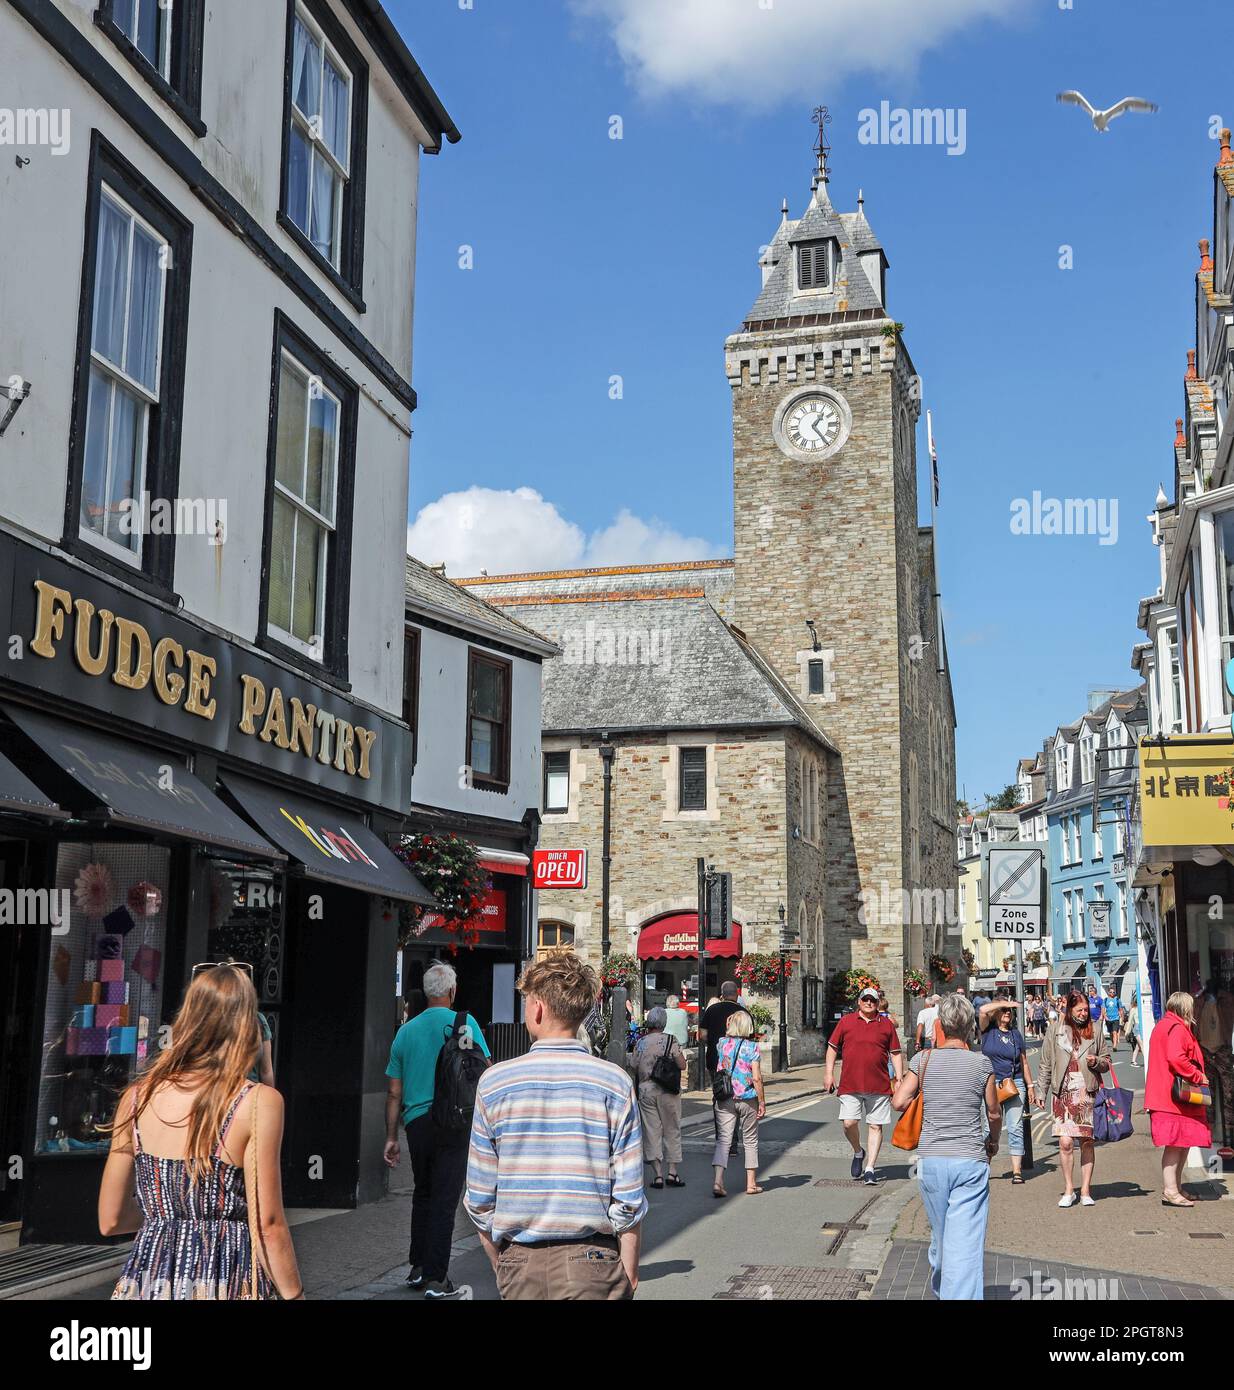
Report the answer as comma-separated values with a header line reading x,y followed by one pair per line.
x,y
181,675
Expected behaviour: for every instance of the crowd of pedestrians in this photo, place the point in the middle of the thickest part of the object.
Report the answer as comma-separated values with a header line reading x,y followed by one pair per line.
x,y
547,1152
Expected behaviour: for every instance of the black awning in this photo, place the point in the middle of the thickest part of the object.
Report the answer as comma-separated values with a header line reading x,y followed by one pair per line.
x,y
140,787
335,846
18,793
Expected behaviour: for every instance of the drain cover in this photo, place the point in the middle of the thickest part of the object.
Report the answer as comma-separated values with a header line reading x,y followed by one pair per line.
x,y
769,1282
1206,1235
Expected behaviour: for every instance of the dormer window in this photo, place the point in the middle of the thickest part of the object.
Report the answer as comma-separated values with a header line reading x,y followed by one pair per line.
x,y
1062,768
814,266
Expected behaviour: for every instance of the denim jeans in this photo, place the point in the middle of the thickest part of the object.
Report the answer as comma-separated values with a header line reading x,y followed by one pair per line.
x,y
956,1194
1013,1117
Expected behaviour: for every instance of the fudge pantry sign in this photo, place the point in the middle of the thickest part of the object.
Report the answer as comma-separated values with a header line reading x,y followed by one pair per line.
x,y
106,649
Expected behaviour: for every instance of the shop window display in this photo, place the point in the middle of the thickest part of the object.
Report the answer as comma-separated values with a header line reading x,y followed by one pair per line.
x,y
246,924
104,987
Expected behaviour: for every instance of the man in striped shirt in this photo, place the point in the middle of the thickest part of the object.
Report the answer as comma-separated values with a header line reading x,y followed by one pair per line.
x,y
555,1173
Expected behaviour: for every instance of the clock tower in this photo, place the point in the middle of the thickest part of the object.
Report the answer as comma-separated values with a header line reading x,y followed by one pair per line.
x,y
834,579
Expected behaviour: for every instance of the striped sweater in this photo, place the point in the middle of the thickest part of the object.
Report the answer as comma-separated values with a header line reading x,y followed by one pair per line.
x,y
556,1148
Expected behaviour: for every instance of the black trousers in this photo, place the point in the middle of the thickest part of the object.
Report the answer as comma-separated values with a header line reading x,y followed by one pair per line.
x,y
439,1167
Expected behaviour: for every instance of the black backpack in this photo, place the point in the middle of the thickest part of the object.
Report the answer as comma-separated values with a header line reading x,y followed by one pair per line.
x,y
665,1072
460,1064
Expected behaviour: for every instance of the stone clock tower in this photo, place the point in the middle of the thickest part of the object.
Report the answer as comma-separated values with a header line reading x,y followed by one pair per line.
x,y
825,404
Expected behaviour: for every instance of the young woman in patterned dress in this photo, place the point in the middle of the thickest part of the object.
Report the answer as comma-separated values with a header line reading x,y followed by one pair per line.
x,y
1074,1057
183,1168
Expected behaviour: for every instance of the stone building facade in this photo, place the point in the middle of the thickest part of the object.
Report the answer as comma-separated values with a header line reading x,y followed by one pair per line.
x,y
811,666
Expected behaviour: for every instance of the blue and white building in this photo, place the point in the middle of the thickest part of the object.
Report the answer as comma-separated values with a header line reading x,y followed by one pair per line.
x,y
1087,858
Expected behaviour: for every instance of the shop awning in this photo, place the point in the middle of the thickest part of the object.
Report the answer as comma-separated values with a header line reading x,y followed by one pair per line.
x,y
140,787
503,861
676,938
334,846
18,793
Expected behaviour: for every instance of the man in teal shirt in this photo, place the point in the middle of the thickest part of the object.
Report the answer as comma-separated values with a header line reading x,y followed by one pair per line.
x,y
438,1156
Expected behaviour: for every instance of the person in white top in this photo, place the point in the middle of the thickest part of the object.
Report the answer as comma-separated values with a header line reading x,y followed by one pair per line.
x,y
678,1025
926,1020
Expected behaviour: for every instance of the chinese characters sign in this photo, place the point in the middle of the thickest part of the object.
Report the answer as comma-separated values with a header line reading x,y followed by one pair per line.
x,y
1185,796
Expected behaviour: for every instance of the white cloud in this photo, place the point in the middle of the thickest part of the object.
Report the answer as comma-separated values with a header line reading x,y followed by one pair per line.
x,y
505,532
759,52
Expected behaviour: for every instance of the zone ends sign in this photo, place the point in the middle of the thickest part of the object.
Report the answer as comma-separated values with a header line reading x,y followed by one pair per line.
x,y
1014,883
559,868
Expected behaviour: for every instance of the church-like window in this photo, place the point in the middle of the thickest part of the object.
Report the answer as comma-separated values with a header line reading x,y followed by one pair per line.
x,y
818,677
814,266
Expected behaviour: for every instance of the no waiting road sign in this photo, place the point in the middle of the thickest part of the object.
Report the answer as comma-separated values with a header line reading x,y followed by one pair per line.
x,y
1013,892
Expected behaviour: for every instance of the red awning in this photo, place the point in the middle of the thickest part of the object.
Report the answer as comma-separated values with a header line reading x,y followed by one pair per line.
x,y
676,938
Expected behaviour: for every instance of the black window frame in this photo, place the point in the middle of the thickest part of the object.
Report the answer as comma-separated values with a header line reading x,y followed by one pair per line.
x,y
411,687
155,574
182,92
813,665
334,662
348,276
558,754
683,802
485,781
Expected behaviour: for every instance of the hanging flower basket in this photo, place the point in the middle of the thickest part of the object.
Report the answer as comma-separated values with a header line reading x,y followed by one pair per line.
x,y
620,971
448,866
764,1020
760,971
970,960
846,985
916,982
942,968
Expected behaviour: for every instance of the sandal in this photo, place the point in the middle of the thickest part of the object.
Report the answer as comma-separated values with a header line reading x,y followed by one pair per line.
x,y
657,1182
1017,1179
754,1191
1179,1201
675,1181
717,1192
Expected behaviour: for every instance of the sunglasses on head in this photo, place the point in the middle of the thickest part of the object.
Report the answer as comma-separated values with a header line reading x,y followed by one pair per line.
x,y
244,965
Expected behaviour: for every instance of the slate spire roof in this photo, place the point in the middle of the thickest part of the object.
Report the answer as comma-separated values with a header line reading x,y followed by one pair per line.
x,y
850,287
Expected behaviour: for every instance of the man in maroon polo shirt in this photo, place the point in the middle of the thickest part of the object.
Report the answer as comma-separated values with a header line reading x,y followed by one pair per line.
x,y
868,1042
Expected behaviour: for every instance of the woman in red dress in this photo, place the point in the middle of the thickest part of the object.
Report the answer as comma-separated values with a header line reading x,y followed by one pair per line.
x,y
1177,1126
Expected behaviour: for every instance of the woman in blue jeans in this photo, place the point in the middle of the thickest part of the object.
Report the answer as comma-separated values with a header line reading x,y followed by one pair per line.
x,y
953,1168
1003,1043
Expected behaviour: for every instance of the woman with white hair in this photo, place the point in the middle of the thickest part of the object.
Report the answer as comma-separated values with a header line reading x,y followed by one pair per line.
x,y
953,1158
659,1063
737,1055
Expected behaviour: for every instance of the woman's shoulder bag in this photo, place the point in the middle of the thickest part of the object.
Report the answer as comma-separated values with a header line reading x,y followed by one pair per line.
x,y
907,1133
664,1070
722,1081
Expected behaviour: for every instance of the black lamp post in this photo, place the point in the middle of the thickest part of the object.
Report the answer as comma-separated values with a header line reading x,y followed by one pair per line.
x,y
782,1049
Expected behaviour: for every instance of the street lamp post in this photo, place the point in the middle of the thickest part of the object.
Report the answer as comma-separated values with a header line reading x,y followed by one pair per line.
x,y
782,1048
606,858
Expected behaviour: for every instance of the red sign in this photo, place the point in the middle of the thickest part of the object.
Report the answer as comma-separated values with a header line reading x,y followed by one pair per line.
x,y
559,868
491,916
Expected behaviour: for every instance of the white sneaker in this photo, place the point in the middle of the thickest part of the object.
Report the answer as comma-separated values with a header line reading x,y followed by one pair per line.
x,y
1069,1200
1088,1201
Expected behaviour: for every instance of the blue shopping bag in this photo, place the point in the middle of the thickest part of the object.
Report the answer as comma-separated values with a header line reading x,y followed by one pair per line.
x,y
1112,1112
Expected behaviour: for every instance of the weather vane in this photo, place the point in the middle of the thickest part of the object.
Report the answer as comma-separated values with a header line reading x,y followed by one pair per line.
x,y
822,149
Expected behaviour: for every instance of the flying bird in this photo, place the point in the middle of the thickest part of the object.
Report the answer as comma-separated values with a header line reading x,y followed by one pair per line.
x,y
1102,119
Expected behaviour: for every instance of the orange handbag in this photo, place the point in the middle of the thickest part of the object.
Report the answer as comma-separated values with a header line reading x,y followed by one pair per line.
x,y
907,1133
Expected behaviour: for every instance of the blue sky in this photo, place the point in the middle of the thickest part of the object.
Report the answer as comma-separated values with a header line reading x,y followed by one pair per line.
x,y
596,257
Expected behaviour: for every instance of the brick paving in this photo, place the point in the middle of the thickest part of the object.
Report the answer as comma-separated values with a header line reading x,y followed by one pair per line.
x,y
769,1282
906,1276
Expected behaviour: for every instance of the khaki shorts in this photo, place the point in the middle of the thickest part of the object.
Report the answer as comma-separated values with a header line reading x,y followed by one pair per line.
x,y
865,1105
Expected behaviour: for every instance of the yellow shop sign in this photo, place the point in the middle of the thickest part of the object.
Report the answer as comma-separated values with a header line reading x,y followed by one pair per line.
x,y
1185,796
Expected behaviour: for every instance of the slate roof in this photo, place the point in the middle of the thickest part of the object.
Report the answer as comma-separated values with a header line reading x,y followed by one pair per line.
x,y
429,590
655,664
850,288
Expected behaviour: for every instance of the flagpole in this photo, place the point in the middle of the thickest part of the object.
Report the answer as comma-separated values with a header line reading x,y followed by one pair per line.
x,y
938,600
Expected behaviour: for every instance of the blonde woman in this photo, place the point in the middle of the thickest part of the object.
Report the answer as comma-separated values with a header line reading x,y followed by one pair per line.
x,y
1176,1124
184,1172
737,1054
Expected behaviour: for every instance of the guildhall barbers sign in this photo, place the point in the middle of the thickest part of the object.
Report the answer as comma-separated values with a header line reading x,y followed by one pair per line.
x,y
104,648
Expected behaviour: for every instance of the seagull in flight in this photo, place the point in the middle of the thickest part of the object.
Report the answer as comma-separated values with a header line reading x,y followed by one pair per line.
x,y
1102,119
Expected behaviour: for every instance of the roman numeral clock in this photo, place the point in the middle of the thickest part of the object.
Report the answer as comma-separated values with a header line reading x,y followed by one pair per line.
x,y
812,425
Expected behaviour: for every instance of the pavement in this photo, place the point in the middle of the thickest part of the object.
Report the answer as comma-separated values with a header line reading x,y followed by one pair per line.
x,y
816,1234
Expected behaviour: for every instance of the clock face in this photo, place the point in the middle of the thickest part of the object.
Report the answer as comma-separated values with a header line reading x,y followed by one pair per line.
x,y
812,425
